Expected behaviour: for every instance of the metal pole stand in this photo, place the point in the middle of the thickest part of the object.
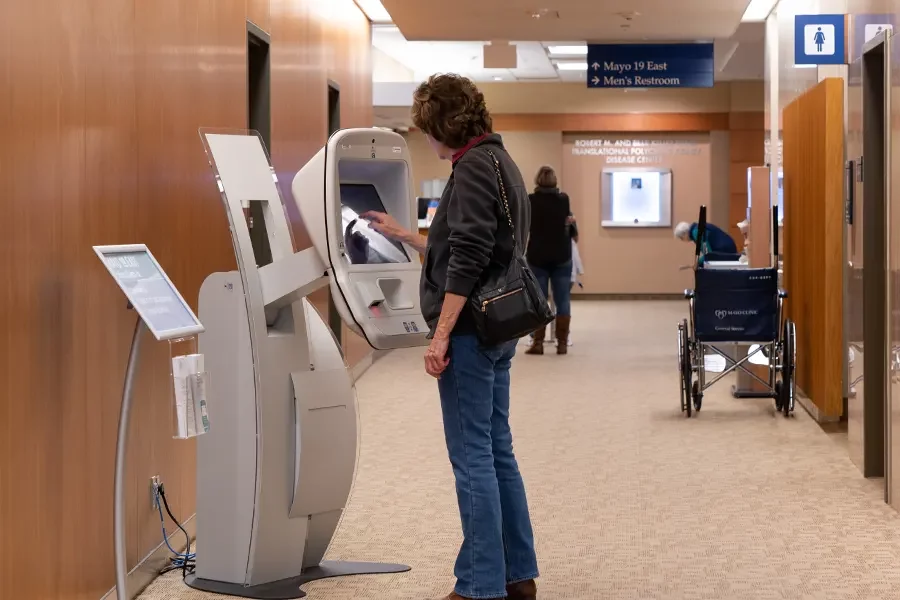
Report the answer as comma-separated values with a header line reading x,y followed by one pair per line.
x,y
121,447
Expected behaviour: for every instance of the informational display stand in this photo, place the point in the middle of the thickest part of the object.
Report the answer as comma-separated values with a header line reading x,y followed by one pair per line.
x,y
162,310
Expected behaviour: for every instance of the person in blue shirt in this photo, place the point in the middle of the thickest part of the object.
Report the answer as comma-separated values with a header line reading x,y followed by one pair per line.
x,y
716,240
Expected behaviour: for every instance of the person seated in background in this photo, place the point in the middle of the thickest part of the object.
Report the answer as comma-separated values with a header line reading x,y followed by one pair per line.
x,y
716,240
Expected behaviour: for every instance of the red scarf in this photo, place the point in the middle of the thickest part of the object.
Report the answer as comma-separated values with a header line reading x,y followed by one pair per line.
x,y
458,155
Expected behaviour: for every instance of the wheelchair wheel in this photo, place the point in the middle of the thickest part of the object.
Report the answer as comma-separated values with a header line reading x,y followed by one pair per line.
x,y
681,334
778,396
684,363
788,366
697,396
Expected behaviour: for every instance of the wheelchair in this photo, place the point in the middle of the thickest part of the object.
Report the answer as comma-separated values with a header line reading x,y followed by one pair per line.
x,y
740,306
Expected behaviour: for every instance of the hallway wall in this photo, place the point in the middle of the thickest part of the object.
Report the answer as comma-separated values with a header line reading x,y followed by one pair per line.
x,y
640,260
100,111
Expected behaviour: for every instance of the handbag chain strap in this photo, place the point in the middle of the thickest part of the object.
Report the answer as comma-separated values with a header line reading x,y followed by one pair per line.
x,y
503,199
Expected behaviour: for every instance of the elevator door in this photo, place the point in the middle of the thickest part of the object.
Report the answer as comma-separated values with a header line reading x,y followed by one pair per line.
x,y
259,118
868,428
855,387
334,125
892,73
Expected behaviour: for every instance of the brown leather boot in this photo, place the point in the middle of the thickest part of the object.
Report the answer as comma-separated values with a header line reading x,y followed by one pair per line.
x,y
537,342
562,334
524,590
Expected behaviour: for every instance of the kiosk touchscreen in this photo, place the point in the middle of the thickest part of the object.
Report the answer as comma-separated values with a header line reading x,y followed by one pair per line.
x,y
374,280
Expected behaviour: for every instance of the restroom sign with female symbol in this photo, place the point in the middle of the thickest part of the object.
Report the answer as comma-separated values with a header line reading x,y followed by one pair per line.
x,y
867,27
819,40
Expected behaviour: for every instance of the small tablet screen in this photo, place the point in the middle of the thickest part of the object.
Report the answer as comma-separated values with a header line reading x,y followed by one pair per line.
x,y
364,245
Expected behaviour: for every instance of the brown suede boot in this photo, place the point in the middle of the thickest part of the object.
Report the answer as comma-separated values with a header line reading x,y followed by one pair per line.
x,y
562,334
524,590
537,343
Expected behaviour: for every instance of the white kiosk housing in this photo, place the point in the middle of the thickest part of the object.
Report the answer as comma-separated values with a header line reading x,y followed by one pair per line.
x,y
374,281
276,468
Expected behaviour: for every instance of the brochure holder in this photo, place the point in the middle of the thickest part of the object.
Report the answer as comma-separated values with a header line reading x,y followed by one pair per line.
x,y
190,383
163,311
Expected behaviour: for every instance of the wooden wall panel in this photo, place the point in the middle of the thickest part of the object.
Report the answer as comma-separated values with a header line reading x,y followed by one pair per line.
x,y
813,245
100,114
258,14
201,85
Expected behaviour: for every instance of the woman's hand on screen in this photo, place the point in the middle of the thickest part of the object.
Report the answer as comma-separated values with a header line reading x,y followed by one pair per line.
x,y
386,225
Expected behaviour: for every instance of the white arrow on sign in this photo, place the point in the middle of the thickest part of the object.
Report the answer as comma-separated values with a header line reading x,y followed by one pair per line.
x,y
595,66
595,80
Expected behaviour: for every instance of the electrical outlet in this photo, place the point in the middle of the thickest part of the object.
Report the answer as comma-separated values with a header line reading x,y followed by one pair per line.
x,y
155,482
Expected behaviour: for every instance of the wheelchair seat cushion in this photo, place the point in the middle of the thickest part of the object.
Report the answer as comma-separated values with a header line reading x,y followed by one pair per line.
x,y
736,305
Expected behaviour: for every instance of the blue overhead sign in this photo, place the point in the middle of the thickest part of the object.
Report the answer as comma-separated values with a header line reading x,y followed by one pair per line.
x,y
819,40
650,65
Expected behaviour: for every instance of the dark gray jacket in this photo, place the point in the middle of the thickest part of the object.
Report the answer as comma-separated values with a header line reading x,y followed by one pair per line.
x,y
470,233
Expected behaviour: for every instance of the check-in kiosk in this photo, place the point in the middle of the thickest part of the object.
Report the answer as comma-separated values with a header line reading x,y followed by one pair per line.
x,y
275,472
374,280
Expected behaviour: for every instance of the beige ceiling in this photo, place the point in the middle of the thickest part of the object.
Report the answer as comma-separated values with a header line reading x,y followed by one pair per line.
x,y
587,20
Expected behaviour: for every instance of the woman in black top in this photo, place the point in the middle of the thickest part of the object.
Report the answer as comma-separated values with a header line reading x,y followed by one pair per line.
x,y
469,238
550,253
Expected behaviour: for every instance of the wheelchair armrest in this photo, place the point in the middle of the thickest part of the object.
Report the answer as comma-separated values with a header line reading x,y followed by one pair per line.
x,y
782,293
688,294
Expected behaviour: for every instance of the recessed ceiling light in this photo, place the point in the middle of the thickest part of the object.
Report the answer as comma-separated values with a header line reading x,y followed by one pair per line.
x,y
498,79
758,10
374,10
805,66
571,66
568,50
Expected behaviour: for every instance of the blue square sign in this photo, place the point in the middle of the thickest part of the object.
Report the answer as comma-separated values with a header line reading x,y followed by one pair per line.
x,y
819,40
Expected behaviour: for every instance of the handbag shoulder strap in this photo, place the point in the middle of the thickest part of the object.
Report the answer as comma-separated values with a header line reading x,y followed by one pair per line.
x,y
504,200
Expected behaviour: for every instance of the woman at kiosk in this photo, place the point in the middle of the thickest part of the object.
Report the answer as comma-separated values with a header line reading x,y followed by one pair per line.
x,y
467,237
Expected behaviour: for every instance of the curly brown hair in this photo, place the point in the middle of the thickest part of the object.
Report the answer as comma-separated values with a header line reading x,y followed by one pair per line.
x,y
450,109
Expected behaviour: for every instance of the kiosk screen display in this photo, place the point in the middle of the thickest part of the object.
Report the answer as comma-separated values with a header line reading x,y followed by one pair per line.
x,y
364,245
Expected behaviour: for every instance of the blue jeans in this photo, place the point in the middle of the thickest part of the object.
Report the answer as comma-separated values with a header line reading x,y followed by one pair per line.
x,y
498,542
559,277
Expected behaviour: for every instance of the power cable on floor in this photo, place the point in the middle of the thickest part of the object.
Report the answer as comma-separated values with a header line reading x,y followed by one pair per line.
x,y
185,561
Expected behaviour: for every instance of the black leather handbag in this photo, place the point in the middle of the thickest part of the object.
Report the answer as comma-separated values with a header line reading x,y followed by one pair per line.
x,y
508,304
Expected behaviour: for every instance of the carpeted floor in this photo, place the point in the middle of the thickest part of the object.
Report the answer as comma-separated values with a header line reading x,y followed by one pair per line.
x,y
629,500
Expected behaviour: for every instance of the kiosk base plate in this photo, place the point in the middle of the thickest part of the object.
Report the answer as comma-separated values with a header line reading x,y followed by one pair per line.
x,y
289,589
